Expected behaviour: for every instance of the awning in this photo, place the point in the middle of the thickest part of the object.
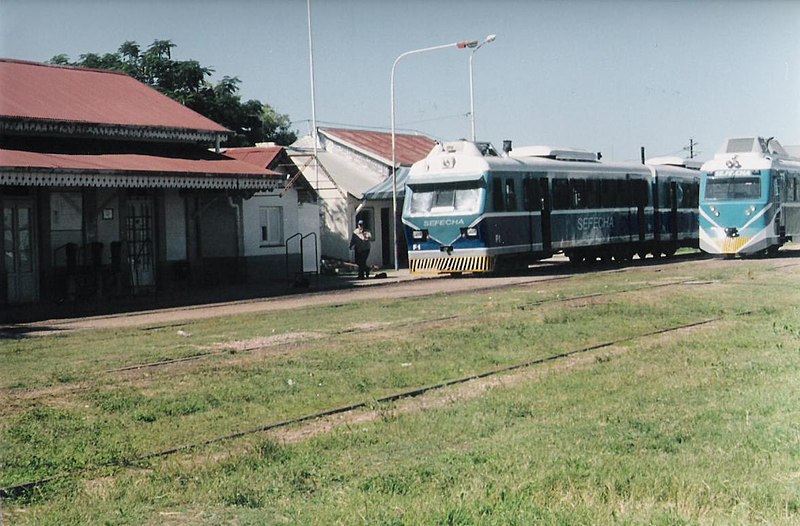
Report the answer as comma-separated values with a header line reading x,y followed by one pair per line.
x,y
383,190
26,168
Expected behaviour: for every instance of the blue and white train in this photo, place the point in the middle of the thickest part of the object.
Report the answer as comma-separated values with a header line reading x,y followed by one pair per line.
x,y
469,210
749,198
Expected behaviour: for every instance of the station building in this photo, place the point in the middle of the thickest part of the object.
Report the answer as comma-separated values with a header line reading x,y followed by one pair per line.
x,y
110,189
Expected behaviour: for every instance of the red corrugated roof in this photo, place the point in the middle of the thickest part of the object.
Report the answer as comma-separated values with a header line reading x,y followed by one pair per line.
x,y
32,90
129,163
409,148
257,155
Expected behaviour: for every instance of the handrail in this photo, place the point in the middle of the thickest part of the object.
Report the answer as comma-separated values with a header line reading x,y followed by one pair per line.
x,y
302,258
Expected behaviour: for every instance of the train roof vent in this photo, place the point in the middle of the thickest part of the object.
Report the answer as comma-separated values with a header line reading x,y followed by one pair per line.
x,y
792,151
463,146
769,146
674,161
561,154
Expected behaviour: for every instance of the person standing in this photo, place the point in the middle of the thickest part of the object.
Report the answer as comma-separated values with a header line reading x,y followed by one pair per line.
x,y
360,244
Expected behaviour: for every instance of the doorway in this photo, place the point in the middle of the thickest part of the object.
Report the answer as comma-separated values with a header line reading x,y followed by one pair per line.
x,y
19,251
139,237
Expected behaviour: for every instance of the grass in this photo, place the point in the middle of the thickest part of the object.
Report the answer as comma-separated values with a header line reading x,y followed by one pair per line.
x,y
691,428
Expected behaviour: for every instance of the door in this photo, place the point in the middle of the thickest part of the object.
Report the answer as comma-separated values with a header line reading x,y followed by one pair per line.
x,y
139,236
19,249
673,209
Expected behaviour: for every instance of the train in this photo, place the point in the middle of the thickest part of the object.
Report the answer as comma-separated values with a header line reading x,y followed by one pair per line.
x,y
469,209
749,198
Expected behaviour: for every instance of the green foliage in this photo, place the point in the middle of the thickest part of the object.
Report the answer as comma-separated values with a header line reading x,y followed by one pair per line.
x,y
185,81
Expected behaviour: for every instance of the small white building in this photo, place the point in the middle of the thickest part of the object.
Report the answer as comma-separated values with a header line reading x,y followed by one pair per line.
x,y
351,162
280,225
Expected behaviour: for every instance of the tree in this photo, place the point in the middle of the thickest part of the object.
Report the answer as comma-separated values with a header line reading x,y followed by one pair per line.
x,y
186,82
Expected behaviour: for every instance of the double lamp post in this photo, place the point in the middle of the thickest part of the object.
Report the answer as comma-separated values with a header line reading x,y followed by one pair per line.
x,y
465,44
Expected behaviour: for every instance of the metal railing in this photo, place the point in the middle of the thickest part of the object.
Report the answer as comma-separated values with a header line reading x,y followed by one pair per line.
x,y
293,280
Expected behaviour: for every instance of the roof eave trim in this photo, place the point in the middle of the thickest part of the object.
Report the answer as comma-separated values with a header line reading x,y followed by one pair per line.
x,y
22,126
43,177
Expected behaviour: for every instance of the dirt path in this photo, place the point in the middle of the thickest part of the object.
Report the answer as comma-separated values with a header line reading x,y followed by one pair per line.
x,y
403,287
399,285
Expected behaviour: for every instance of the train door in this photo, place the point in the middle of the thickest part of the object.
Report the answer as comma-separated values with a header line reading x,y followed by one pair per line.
x,y
673,210
640,201
19,249
537,199
544,192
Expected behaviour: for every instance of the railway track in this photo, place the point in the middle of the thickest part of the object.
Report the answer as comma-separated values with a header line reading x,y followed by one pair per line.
x,y
18,490
427,322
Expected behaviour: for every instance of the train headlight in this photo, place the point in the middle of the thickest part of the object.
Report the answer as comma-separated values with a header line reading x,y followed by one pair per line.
x,y
469,232
747,212
420,235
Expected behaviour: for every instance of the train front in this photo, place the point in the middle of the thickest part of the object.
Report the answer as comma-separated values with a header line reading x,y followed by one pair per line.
x,y
444,200
737,215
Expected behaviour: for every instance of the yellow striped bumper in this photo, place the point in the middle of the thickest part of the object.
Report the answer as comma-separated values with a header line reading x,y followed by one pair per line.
x,y
732,245
451,264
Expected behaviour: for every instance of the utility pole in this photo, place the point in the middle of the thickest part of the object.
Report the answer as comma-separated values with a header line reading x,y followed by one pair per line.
x,y
690,148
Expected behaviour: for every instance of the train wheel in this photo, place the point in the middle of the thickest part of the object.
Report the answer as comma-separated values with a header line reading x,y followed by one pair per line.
x,y
575,259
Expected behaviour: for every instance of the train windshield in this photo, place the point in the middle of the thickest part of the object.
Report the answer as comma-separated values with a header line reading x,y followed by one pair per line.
x,y
730,188
446,198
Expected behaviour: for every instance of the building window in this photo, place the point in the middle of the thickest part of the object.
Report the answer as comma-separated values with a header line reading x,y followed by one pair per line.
x,y
271,222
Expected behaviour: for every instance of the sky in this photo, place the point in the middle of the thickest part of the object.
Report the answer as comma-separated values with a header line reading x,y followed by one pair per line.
x,y
602,75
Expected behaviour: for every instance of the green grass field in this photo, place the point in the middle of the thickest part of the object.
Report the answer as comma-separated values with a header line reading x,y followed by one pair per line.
x,y
693,426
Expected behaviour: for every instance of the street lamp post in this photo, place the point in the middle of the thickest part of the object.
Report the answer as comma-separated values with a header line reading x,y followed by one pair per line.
x,y
486,40
460,45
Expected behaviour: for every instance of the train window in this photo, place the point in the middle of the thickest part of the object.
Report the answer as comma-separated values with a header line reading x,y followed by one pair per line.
x,y
687,195
663,189
468,199
444,198
591,196
562,194
609,197
532,190
510,195
640,195
497,195
421,200
727,188
580,193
